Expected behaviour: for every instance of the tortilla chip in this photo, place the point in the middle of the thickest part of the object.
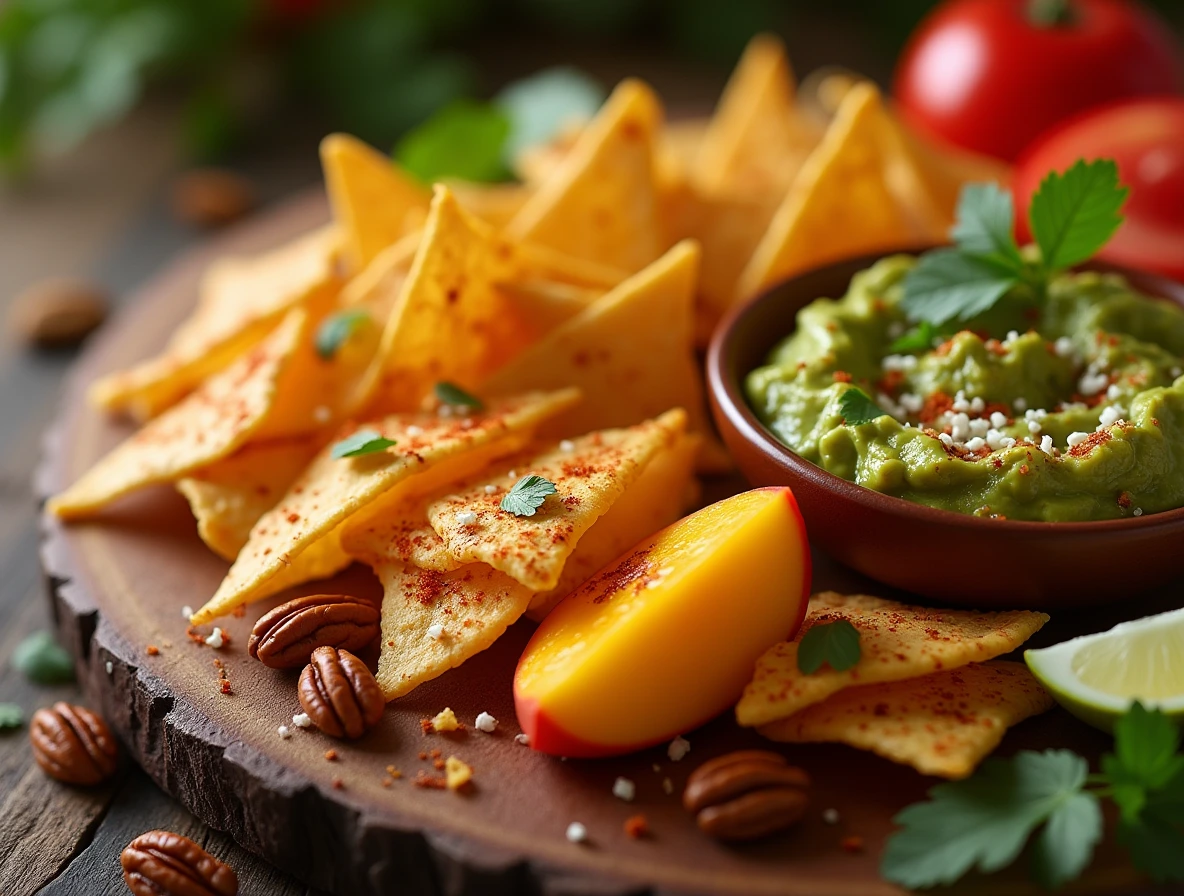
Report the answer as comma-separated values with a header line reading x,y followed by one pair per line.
x,y
226,412
896,642
535,164
376,287
680,143
228,497
844,201
601,202
373,201
629,352
430,450
495,204
757,140
473,606
242,300
942,724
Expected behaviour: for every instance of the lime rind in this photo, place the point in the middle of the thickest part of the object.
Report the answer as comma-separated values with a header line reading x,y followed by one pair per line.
x,y
1053,666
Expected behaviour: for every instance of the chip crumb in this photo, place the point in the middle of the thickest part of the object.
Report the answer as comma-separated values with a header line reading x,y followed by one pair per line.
x,y
338,784
331,755
485,722
152,650
284,732
678,749
426,725
429,782
436,631
216,639
851,844
637,827
438,764
393,772
577,833
445,720
387,781
523,739
435,754
667,786
186,612
624,789
466,518
457,774
830,816
423,755
302,720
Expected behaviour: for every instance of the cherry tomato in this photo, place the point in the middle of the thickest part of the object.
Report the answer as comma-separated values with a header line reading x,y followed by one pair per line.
x,y
991,75
1146,139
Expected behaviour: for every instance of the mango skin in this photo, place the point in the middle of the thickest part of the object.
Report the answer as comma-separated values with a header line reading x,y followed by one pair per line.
x,y
665,637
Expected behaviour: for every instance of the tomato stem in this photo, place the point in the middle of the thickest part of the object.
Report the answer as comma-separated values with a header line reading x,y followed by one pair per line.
x,y
1050,13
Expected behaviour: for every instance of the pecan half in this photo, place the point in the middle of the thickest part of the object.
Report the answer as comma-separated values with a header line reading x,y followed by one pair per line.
x,y
161,863
339,693
287,636
73,744
746,794
57,313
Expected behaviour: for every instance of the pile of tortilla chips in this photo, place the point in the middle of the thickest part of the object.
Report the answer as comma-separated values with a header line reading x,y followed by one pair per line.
x,y
927,690
565,309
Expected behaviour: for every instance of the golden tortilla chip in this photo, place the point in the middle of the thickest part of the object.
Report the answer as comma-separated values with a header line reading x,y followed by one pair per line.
x,y
374,202
228,497
845,201
379,284
757,140
226,412
495,204
942,724
433,622
896,642
535,164
629,352
429,450
242,300
601,202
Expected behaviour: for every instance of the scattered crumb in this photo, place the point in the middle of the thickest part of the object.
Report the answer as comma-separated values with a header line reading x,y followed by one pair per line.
x,y
577,833
302,720
338,784
457,774
436,632
110,668
667,786
445,720
466,518
830,816
239,612
637,827
387,781
194,635
491,489
523,739
394,773
435,754
678,749
331,755
216,639
166,644
225,688
284,732
438,764
429,782
852,844
624,789
186,612
426,725
485,722
223,678
152,650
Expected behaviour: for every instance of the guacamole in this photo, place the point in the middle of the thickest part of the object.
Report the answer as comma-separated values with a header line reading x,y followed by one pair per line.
x,y
1069,409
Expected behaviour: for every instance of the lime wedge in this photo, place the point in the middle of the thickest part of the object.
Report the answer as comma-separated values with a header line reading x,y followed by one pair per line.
x,y
1097,677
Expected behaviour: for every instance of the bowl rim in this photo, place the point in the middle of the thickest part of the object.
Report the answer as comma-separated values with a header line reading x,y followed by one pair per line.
x,y
727,392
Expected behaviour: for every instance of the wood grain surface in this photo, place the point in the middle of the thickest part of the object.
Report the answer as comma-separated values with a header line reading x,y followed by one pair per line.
x,y
118,586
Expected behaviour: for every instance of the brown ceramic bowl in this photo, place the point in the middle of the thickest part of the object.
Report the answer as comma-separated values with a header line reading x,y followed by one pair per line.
x,y
950,557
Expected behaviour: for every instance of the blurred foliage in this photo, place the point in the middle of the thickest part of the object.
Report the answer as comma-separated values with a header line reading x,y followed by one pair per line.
x,y
373,67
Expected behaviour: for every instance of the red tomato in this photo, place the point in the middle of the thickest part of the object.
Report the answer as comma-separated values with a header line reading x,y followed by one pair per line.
x,y
982,75
1146,139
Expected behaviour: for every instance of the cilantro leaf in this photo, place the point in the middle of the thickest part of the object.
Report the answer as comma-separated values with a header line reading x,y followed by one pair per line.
x,y
336,329
986,216
1156,846
1064,847
527,495
857,408
43,660
834,643
1145,745
11,716
465,139
984,821
1073,214
455,396
541,105
918,339
947,284
364,441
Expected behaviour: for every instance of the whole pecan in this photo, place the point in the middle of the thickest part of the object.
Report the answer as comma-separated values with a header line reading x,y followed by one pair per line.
x,y
72,744
287,636
57,313
339,693
746,794
161,863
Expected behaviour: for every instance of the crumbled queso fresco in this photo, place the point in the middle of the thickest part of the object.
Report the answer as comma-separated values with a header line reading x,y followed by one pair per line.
x,y
1072,409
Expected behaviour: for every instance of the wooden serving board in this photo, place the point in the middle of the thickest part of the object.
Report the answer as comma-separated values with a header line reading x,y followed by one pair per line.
x,y
118,585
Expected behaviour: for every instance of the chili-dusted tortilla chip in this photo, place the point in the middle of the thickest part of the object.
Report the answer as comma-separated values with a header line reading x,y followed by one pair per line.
x,y
374,202
229,496
452,320
242,300
629,352
757,139
429,450
601,201
942,724
846,200
226,412
896,641
433,622
589,473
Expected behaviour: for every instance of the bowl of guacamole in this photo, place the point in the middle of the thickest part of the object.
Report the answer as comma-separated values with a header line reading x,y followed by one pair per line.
x,y
1031,455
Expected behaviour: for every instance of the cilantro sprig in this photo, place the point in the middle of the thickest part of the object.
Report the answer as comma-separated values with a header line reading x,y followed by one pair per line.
x,y
1071,216
985,821
454,396
832,643
364,441
527,495
857,408
336,329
